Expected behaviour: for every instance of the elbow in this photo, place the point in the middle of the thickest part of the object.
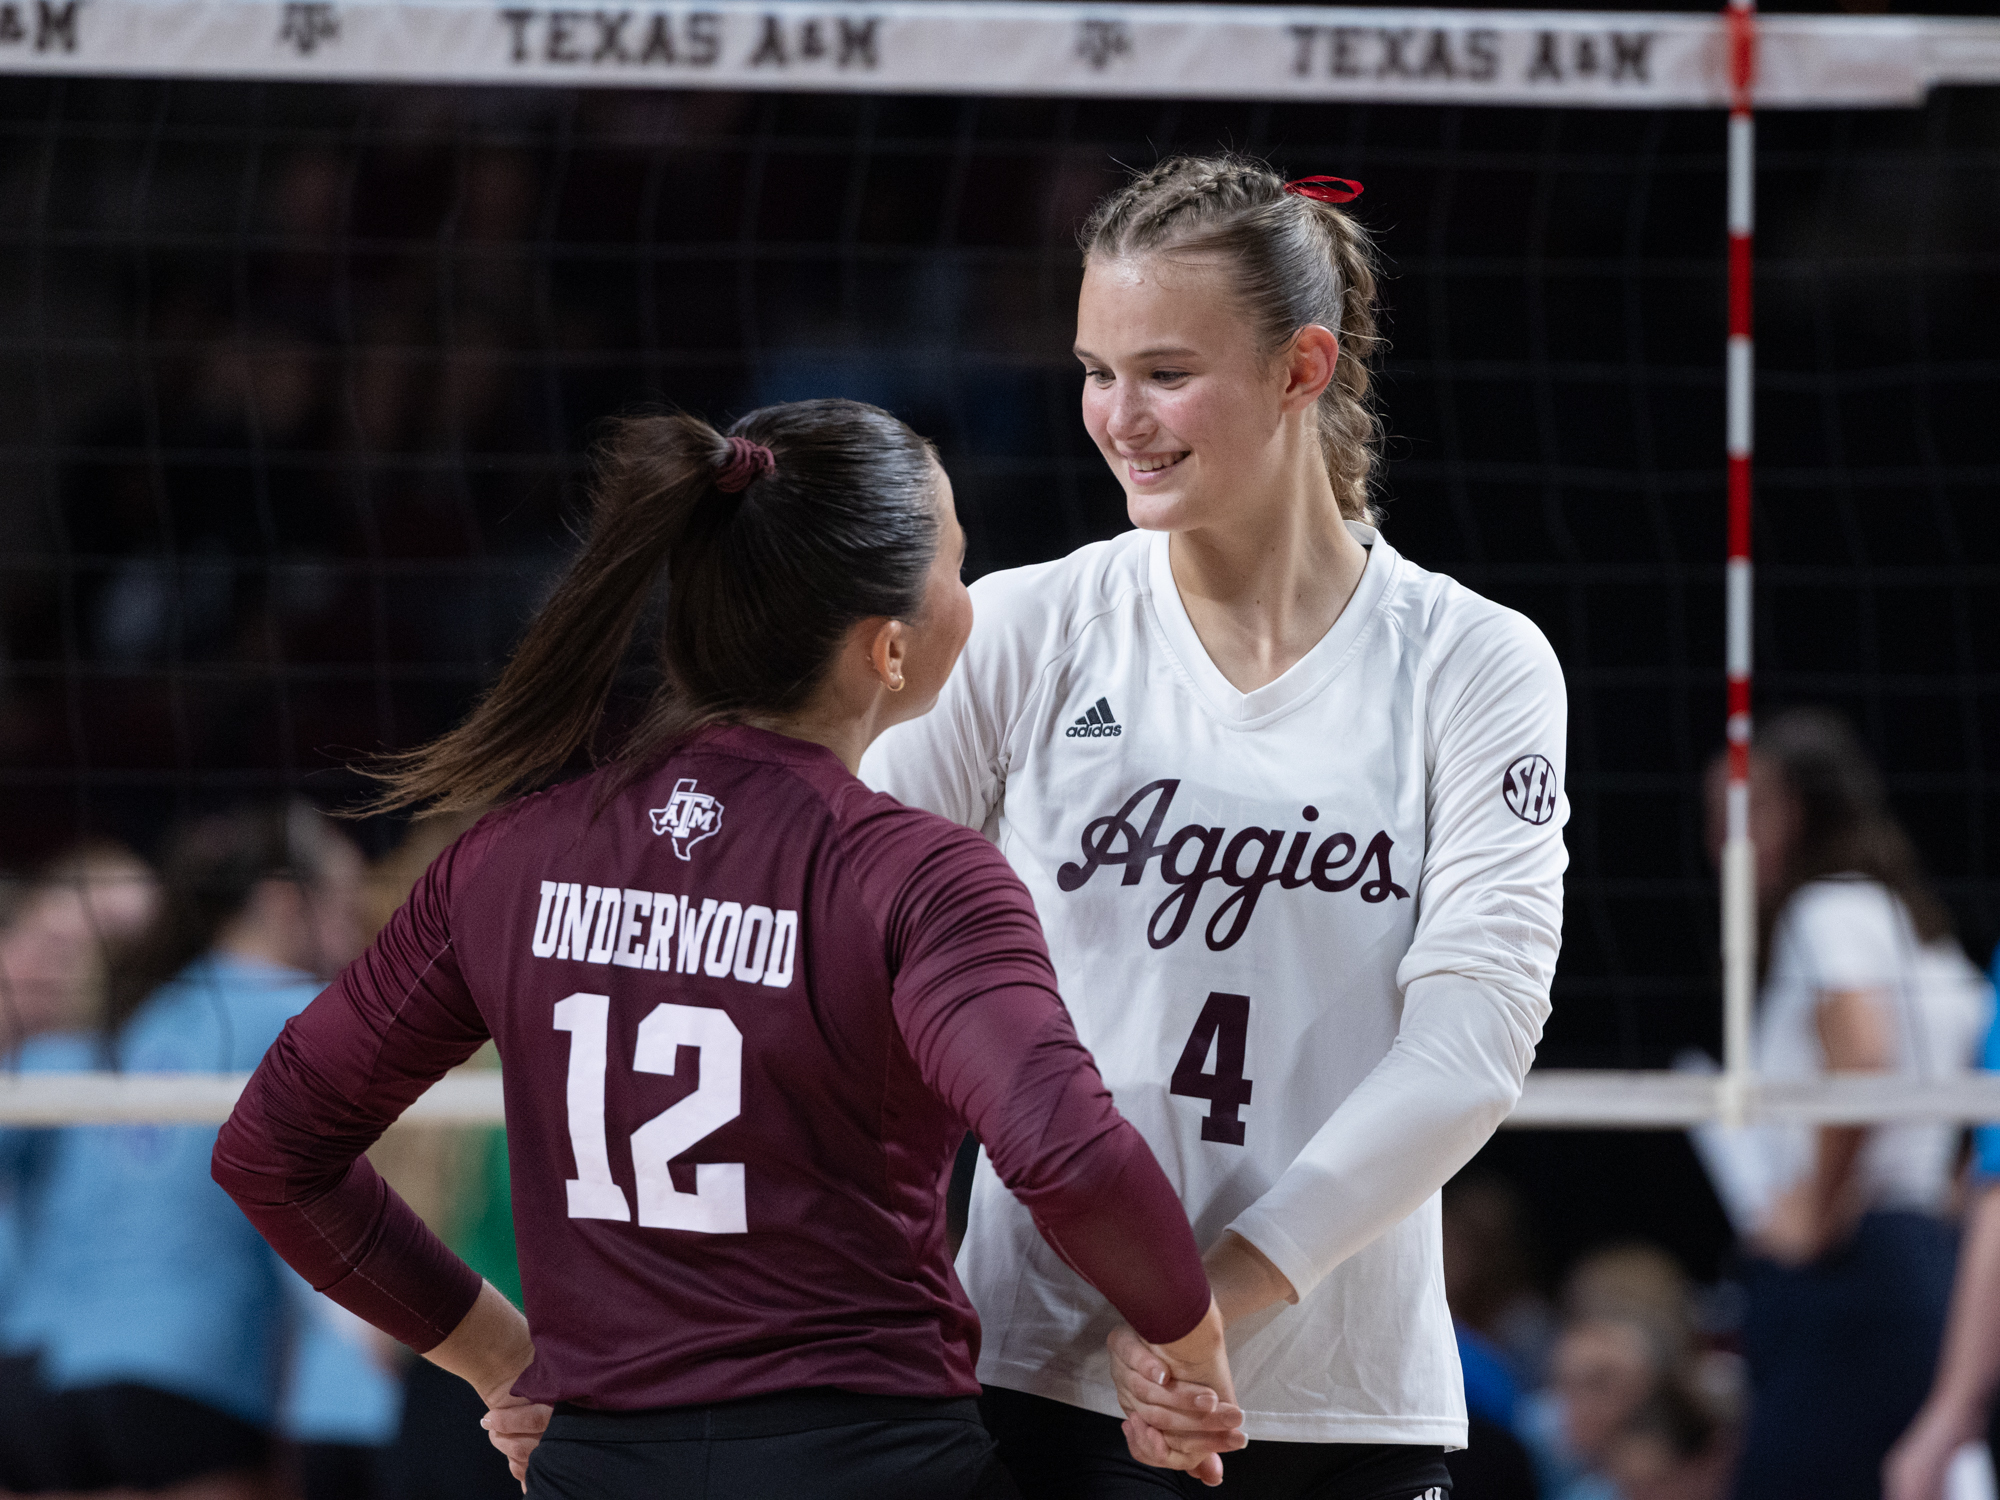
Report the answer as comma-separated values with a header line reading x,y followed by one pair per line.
x,y
246,1184
244,1166
1485,1093
1493,1102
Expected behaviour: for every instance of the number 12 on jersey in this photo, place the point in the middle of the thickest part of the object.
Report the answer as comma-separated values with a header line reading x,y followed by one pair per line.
x,y
716,1206
1224,1026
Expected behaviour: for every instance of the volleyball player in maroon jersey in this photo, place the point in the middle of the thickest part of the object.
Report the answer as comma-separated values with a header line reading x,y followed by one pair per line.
x,y
745,1009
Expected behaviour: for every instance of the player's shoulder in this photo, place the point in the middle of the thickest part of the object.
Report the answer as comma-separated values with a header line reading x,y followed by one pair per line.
x,y
533,815
1460,631
881,833
1842,903
1047,604
1843,932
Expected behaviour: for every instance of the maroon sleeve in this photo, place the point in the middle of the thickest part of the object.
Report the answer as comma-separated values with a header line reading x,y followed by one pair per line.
x,y
975,998
339,1074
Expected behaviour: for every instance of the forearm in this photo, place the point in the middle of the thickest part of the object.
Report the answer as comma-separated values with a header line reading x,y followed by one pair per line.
x,y
1118,1224
1855,1037
1006,1058
489,1348
1835,1165
355,1241
1243,1279
292,1156
1969,1369
1453,1075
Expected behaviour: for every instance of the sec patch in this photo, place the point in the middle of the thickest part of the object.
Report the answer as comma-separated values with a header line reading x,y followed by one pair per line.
x,y
1530,789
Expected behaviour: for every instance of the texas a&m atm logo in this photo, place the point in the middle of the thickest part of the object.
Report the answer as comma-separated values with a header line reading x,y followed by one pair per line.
x,y
688,818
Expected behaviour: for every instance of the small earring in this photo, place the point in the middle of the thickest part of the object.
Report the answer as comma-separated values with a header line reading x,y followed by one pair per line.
x,y
896,683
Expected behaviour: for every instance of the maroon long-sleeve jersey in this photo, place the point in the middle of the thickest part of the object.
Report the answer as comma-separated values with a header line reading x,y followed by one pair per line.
x,y
745,1009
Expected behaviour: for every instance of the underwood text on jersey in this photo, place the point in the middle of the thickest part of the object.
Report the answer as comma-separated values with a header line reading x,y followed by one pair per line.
x,y
1195,855
670,934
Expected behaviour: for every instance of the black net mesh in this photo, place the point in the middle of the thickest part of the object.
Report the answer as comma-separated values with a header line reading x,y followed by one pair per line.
x,y
296,383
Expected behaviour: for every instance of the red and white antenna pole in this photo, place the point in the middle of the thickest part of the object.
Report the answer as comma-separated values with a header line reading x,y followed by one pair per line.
x,y
1739,857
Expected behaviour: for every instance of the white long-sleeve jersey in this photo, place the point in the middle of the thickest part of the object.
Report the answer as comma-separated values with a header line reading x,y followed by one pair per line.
x,y
1307,931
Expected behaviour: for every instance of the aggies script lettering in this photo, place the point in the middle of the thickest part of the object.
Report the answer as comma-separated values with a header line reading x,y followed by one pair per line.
x,y
1202,845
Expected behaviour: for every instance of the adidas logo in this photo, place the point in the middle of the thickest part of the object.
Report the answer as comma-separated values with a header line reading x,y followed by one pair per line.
x,y
1096,724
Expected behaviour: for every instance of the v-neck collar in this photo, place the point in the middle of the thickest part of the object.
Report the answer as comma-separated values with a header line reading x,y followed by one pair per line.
x,y
1306,675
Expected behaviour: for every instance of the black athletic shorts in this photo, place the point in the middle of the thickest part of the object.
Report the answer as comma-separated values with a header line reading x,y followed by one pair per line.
x,y
1060,1452
803,1445
105,1437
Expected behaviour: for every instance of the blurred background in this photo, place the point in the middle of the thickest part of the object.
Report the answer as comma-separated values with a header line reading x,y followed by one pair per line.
x,y
297,385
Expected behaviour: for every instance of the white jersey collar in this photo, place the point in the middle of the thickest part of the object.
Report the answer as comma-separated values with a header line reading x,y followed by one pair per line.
x,y
1307,675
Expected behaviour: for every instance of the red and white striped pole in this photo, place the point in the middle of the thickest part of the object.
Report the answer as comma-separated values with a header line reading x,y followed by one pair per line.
x,y
1739,857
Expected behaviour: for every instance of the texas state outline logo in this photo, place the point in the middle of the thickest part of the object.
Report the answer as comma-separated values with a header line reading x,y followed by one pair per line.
x,y
688,818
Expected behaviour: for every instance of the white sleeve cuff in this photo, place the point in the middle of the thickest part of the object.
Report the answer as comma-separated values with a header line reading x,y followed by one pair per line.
x,y
1261,1229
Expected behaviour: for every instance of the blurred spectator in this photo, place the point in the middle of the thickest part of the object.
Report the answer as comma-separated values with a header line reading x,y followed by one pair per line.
x,y
1502,1325
1489,1274
1604,1370
59,933
1848,1261
143,1337
341,1399
1635,1409
1957,1413
1640,1284
1675,1447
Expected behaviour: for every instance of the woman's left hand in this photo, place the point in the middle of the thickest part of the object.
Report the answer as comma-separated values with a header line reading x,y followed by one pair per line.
x,y
514,1425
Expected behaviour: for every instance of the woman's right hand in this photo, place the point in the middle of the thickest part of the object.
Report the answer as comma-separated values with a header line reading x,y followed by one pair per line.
x,y
1179,1398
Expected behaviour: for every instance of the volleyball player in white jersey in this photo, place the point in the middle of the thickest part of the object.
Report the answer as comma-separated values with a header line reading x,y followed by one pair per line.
x,y
1290,808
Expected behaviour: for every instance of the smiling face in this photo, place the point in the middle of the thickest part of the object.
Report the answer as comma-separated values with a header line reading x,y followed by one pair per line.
x,y
1189,413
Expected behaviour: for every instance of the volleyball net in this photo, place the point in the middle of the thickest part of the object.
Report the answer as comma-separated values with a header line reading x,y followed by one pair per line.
x,y
308,308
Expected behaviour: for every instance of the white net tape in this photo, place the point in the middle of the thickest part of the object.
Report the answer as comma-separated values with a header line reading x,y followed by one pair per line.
x,y
1555,1099
1618,60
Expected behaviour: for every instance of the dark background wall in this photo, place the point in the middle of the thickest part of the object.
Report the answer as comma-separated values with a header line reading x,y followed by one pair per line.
x,y
296,383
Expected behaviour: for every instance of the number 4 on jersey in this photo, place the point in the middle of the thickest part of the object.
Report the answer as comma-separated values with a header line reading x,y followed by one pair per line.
x,y
1224,1025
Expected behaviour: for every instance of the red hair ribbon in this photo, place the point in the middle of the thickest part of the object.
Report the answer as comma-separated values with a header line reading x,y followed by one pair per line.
x,y
1325,189
747,462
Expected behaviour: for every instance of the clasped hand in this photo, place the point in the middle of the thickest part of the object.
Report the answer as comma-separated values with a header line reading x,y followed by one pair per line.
x,y
1179,1400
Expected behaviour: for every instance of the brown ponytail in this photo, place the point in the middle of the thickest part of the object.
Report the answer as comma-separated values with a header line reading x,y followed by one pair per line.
x,y
1296,262
762,581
